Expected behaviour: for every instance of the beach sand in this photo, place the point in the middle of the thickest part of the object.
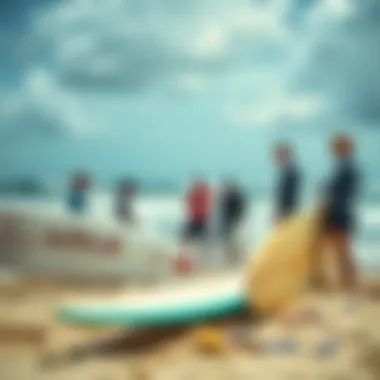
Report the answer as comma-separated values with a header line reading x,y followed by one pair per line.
x,y
338,340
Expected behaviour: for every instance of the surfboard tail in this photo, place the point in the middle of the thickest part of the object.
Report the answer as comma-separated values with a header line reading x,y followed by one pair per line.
x,y
281,268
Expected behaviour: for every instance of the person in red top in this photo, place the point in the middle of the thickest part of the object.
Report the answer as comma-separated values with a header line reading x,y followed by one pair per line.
x,y
198,210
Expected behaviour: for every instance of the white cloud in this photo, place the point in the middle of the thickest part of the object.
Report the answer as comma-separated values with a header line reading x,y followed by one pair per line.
x,y
331,10
182,46
277,111
41,105
303,108
136,43
340,56
335,57
190,83
211,42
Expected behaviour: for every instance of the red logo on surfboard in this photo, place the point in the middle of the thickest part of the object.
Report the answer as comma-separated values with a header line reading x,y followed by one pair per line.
x,y
80,240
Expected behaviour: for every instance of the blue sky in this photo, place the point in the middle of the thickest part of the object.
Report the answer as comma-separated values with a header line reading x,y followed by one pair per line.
x,y
164,89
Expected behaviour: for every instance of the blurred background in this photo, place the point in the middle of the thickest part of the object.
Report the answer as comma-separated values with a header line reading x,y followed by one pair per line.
x,y
165,90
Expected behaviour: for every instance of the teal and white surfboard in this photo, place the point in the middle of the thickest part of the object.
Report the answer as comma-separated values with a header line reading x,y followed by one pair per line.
x,y
275,277
186,303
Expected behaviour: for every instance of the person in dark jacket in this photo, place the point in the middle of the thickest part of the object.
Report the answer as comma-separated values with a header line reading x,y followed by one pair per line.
x,y
339,218
288,187
232,209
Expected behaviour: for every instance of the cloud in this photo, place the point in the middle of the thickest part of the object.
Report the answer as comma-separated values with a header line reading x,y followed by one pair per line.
x,y
130,45
41,106
334,61
296,62
190,83
279,111
340,58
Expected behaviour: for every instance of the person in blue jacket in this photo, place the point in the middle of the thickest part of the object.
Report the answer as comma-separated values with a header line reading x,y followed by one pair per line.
x,y
78,193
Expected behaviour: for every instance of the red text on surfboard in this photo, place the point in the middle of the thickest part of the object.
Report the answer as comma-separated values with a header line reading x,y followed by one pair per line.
x,y
79,240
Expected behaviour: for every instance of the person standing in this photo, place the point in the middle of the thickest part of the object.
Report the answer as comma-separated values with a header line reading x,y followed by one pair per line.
x,y
232,210
198,210
339,213
124,201
288,187
78,193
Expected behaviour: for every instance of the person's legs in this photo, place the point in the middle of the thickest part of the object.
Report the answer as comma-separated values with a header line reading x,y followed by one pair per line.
x,y
232,243
340,241
318,250
282,216
201,230
228,226
316,261
190,231
198,231
225,229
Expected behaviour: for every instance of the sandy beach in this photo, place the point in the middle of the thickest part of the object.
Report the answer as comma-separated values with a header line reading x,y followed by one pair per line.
x,y
339,340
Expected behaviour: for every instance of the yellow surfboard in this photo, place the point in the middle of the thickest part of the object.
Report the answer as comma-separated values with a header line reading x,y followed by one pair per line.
x,y
279,271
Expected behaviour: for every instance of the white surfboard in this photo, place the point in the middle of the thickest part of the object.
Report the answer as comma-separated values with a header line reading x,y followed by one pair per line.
x,y
186,303
277,274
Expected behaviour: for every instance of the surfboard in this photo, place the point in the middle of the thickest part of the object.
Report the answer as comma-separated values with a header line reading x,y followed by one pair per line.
x,y
277,274
194,301
279,271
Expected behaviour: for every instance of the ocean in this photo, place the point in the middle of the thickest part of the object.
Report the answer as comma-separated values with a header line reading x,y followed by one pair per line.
x,y
164,213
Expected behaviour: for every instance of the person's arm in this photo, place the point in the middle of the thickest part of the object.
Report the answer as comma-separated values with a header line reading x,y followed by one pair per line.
x,y
279,198
293,187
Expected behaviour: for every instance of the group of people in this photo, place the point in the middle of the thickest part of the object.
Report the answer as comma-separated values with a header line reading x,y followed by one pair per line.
x,y
125,193
339,196
338,201
201,204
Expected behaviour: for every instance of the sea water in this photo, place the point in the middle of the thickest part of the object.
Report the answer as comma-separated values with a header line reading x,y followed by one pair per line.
x,y
165,214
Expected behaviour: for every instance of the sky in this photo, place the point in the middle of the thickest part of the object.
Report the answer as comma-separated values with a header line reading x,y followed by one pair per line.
x,y
167,89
